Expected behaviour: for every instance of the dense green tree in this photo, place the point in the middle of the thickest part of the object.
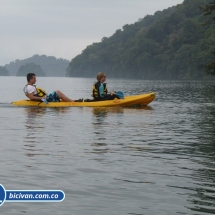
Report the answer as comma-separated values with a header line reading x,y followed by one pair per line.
x,y
30,67
209,11
3,71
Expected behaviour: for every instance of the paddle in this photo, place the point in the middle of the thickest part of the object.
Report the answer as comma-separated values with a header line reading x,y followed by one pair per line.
x,y
44,100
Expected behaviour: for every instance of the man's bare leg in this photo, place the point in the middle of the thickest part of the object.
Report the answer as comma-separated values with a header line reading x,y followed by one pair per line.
x,y
63,97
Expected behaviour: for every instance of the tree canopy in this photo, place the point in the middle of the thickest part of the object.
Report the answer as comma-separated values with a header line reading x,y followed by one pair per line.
x,y
30,67
209,11
3,71
171,44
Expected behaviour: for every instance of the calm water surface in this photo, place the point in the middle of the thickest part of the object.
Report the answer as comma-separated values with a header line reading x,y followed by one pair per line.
x,y
158,159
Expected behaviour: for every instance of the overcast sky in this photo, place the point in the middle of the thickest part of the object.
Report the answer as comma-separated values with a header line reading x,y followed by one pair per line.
x,y
63,28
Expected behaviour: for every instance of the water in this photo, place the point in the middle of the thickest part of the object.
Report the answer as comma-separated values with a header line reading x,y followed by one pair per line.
x,y
158,159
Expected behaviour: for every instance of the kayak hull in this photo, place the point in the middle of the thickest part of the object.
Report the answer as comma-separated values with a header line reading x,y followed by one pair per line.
x,y
143,99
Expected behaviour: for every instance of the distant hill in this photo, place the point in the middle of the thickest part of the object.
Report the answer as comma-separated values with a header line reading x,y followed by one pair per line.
x,y
49,64
3,71
171,44
32,67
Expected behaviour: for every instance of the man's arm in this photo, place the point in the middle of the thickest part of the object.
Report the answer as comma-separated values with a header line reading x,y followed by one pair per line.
x,y
32,97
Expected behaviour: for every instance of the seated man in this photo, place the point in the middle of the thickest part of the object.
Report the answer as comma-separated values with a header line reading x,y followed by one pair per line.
x,y
37,94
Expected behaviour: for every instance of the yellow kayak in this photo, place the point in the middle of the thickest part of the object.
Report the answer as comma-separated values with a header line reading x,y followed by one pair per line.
x,y
143,99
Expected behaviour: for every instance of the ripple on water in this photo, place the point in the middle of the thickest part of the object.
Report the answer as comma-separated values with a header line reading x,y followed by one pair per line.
x,y
146,160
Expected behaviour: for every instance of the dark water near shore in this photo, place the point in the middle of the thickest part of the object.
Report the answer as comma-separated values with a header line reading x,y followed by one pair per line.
x,y
158,159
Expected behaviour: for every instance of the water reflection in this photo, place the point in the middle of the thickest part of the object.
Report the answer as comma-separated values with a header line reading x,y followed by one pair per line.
x,y
102,128
109,123
33,114
104,111
36,128
61,110
34,125
197,148
204,176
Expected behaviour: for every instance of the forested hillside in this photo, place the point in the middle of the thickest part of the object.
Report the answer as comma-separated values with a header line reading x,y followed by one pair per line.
x,y
30,67
3,71
171,44
49,64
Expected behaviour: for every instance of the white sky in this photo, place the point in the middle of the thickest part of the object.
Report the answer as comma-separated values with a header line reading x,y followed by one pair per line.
x,y
63,28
